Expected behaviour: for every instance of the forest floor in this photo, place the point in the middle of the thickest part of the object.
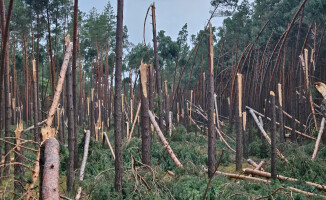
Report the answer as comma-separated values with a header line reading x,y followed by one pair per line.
x,y
165,181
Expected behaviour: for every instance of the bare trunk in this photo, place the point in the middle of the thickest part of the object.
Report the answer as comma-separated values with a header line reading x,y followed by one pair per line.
x,y
74,81
238,156
273,137
145,125
71,134
210,98
49,170
117,100
157,69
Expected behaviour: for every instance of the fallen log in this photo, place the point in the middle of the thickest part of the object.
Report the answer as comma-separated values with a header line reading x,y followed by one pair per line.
x,y
277,123
108,141
134,123
243,177
279,154
163,140
83,165
321,131
283,178
255,165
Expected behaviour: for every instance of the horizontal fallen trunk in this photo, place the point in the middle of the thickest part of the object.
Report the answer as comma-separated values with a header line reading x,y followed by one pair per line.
x,y
163,140
243,177
283,178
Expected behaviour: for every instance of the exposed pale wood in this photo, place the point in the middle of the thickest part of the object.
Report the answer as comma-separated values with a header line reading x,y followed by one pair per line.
x,y
320,133
164,141
239,176
58,91
255,165
108,141
279,154
133,125
284,178
48,132
83,165
277,123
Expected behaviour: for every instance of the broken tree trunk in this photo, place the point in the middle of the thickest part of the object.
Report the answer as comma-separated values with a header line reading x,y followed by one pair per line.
x,y
255,165
157,69
133,125
83,165
321,131
284,178
163,140
110,146
243,177
210,99
238,155
47,131
49,172
273,137
279,154
146,134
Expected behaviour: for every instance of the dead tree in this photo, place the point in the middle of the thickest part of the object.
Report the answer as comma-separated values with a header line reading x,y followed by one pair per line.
x,y
210,98
74,81
238,155
117,100
49,169
145,125
273,137
37,136
157,69
71,127
83,165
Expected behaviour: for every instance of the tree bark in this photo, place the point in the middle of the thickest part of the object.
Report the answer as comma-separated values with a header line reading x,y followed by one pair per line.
x,y
49,170
117,100
210,98
145,124
71,127
37,135
74,81
238,156
273,137
157,69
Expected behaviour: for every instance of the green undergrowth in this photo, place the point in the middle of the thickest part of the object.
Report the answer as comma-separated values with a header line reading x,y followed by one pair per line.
x,y
164,180
191,182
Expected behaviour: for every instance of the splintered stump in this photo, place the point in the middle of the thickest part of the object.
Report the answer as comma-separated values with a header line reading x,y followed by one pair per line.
x,y
49,163
163,140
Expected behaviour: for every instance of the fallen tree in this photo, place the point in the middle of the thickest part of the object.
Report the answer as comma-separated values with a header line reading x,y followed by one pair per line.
x,y
163,140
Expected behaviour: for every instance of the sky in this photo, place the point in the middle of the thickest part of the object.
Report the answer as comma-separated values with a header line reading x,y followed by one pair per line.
x,y
171,15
